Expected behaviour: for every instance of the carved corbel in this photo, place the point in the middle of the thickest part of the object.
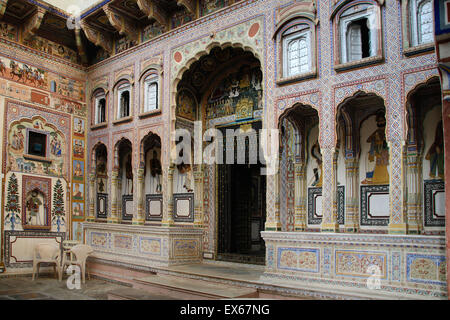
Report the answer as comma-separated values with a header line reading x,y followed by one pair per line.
x,y
121,23
190,6
97,37
34,23
3,4
153,11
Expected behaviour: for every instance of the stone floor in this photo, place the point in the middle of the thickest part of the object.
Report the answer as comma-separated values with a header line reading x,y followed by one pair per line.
x,y
48,288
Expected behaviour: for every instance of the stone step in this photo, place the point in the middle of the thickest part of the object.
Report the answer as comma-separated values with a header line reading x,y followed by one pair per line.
x,y
184,289
135,294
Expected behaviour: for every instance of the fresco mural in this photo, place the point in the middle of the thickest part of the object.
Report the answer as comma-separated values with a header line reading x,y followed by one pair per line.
x,y
50,47
239,93
152,30
23,156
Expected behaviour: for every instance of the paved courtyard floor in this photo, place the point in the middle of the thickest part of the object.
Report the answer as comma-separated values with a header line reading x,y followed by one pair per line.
x,y
47,287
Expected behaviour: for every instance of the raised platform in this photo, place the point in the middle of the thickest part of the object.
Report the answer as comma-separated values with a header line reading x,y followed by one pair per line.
x,y
134,294
186,289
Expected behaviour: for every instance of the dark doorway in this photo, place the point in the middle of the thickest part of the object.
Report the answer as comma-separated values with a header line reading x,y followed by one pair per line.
x,y
242,213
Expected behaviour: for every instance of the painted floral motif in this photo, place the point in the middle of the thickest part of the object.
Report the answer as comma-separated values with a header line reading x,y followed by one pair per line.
x,y
150,246
359,263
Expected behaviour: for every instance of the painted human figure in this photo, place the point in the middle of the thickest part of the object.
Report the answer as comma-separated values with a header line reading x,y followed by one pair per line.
x,y
317,154
436,154
78,172
378,155
33,206
155,174
129,175
184,183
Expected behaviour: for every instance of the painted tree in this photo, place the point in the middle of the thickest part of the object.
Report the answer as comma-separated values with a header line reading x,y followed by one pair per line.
x,y
58,204
12,202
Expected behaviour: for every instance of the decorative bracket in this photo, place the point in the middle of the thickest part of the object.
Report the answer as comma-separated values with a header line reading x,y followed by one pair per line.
x,y
190,6
97,37
3,4
122,24
153,11
33,24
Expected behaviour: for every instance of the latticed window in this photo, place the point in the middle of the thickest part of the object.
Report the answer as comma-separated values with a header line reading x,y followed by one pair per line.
x,y
421,19
151,93
425,25
296,51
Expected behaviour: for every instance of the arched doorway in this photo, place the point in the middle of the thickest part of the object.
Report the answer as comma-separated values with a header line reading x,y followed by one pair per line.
x,y
425,187
223,91
362,165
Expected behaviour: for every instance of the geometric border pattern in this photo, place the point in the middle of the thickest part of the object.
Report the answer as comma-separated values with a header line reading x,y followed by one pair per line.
x,y
428,187
365,220
183,196
27,234
340,205
149,198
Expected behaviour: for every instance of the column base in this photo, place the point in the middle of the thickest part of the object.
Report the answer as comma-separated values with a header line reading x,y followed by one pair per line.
x,y
397,228
138,222
414,229
112,220
90,219
168,223
351,228
329,227
273,226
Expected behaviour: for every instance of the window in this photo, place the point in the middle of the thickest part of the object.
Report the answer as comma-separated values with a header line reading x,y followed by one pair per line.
x,y
297,50
151,93
421,20
358,33
123,94
100,108
37,144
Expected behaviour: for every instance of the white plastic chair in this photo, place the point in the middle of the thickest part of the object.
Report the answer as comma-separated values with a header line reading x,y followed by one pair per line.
x,y
77,255
46,253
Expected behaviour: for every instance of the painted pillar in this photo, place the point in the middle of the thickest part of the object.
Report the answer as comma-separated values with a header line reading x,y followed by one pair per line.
x,y
273,221
139,216
329,190
351,195
167,220
114,218
413,201
397,218
300,196
446,125
92,193
198,196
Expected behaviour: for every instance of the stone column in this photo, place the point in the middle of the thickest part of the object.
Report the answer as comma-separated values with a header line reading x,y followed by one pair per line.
x,y
139,215
414,196
329,190
273,221
92,193
351,195
167,219
198,197
114,218
300,196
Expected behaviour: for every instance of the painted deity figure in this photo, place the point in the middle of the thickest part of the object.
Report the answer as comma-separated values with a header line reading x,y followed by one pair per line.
x,y
17,140
317,154
78,172
378,155
33,206
436,154
129,176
